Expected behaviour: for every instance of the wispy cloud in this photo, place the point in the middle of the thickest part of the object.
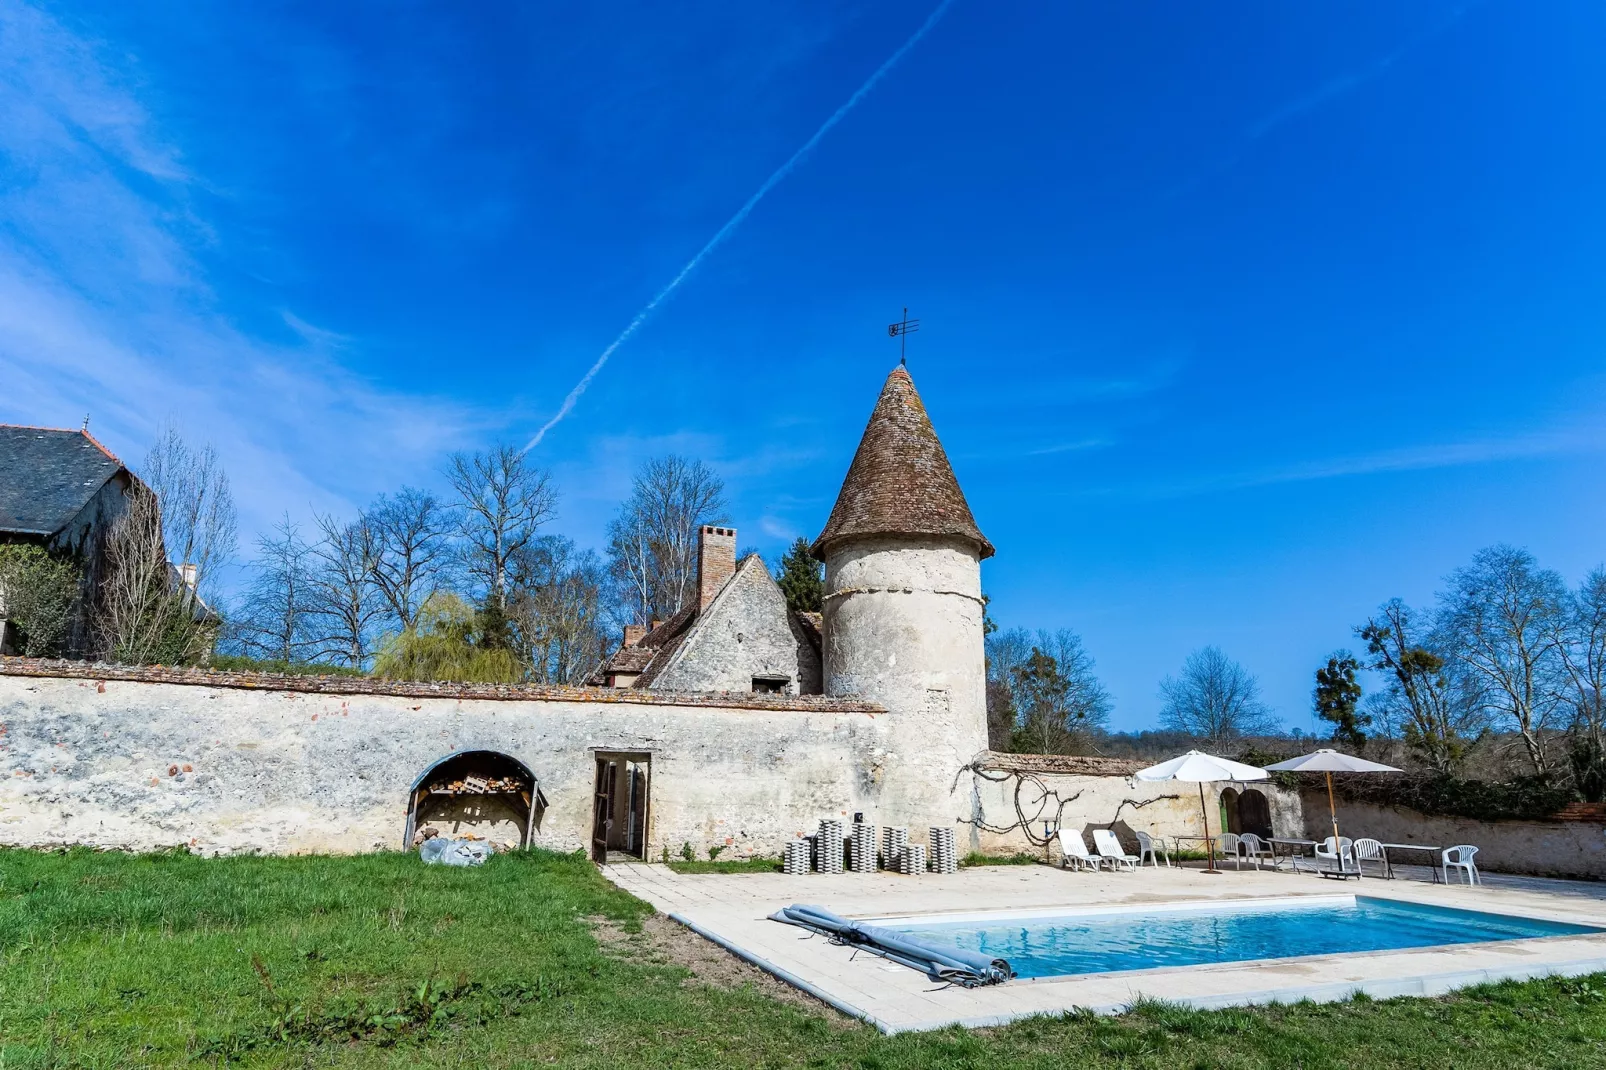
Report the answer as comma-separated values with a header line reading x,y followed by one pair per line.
x,y
1543,443
735,221
1069,447
1335,88
105,307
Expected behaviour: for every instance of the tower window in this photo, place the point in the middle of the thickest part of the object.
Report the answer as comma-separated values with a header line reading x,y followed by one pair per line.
x,y
770,685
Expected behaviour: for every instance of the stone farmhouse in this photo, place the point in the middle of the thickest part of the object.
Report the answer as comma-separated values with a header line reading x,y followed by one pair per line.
x,y
60,490
734,724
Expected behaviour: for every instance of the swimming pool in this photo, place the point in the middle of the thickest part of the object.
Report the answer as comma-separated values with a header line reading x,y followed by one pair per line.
x,y
1194,934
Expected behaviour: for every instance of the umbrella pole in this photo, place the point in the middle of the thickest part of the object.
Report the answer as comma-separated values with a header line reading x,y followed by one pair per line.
x,y
1204,812
1332,811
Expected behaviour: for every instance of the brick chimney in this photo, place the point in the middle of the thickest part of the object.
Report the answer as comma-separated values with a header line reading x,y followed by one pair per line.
x,y
716,562
634,633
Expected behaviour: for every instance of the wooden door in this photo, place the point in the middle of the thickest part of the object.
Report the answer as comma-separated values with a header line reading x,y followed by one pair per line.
x,y
602,812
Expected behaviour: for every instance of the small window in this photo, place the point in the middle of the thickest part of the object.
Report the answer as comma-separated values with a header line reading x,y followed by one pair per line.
x,y
770,685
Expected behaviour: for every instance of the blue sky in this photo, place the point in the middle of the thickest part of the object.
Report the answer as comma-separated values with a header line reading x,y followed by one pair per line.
x,y
1238,320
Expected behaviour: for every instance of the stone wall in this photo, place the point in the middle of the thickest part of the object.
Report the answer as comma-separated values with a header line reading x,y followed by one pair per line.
x,y
145,758
1009,790
1542,848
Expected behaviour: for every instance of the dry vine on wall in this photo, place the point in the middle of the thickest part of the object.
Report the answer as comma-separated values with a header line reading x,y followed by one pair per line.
x,y
1036,805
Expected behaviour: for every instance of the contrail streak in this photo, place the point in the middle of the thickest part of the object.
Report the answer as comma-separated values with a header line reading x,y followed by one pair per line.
x,y
735,221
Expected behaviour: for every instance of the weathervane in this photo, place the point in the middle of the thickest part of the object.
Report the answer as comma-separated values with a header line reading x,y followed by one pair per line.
x,y
901,331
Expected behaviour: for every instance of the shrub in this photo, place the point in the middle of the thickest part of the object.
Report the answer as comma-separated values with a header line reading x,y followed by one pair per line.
x,y
39,594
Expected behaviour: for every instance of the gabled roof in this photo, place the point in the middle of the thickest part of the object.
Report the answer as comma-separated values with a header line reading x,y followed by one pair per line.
x,y
900,482
47,476
654,652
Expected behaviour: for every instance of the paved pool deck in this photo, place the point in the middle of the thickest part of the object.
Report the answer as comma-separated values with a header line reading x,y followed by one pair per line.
x,y
733,910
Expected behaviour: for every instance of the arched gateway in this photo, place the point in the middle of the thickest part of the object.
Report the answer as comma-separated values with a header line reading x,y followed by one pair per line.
x,y
482,792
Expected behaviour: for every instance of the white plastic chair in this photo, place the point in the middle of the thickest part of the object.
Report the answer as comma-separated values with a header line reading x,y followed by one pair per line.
x,y
1109,848
1343,854
1461,858
1074,851
1227,847
1153,850
1369,850
1254,848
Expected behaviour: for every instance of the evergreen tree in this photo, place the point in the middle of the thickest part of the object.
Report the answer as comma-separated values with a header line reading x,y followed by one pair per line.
x,y
800,579
1337,695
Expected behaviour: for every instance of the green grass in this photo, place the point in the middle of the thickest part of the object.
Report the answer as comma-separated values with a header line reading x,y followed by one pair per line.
x,y
727,865
111,960
1022,858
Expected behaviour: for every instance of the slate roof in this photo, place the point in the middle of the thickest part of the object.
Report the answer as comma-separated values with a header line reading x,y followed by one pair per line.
x,y
900,481
47,476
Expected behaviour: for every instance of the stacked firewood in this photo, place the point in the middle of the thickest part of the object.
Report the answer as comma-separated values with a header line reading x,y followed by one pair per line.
x,y
477,785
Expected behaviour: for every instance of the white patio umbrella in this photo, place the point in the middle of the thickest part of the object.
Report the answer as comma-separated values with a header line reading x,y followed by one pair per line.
x,y
1330,761
1197,767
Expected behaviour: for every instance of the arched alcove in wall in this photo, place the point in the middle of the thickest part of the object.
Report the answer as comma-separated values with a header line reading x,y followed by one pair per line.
x,y
480,792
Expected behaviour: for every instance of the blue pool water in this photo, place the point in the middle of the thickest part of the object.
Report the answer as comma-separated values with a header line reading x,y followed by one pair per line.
x,y
1099,943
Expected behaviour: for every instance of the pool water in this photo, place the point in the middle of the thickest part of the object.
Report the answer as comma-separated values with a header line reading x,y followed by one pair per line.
x,y
1101,942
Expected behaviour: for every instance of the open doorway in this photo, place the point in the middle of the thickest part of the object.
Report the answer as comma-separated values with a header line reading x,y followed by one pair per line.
x,y
620,806
479,793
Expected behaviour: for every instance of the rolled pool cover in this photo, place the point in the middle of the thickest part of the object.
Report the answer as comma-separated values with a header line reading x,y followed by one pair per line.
x,y
967,968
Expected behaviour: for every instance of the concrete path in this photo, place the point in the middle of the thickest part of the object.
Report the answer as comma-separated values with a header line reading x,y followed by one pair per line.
x,y
733,910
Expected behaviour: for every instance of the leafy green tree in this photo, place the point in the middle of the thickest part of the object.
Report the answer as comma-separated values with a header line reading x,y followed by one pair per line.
x,y
39,597
1337,699
800,579
447,642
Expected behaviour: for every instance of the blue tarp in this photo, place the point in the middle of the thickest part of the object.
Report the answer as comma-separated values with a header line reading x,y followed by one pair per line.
x,y
968,968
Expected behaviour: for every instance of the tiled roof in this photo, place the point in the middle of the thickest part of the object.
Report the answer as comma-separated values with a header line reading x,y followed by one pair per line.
x,y
1068,764
900,482
47,476
813,625
367,685
651,652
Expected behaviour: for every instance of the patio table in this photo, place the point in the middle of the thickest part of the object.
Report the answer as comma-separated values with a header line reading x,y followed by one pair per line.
x,y
1176,843
1296,850
1436,853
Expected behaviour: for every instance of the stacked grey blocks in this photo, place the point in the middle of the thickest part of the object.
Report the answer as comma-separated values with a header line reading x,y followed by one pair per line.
x,y
912,860
944,857
893,841
796,860
829,843
861,848
824,851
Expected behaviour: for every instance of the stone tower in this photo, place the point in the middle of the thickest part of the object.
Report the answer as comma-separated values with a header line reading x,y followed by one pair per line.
x,y
903,607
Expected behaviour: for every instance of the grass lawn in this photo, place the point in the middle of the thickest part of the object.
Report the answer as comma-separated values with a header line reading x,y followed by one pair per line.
x,y
111,960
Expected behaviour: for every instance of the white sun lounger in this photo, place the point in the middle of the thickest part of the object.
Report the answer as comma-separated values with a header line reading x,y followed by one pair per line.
x,y
1110,850
1075,853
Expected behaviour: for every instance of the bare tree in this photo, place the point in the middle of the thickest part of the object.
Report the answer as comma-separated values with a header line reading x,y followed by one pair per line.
x,y
652,543
277,618
504,501
1582,647
557,610
1421,702
1501,624
1214,699
141,613
197,507
343,600
411,549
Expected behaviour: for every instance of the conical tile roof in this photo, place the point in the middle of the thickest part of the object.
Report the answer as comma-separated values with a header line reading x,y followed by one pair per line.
x,y
900,482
